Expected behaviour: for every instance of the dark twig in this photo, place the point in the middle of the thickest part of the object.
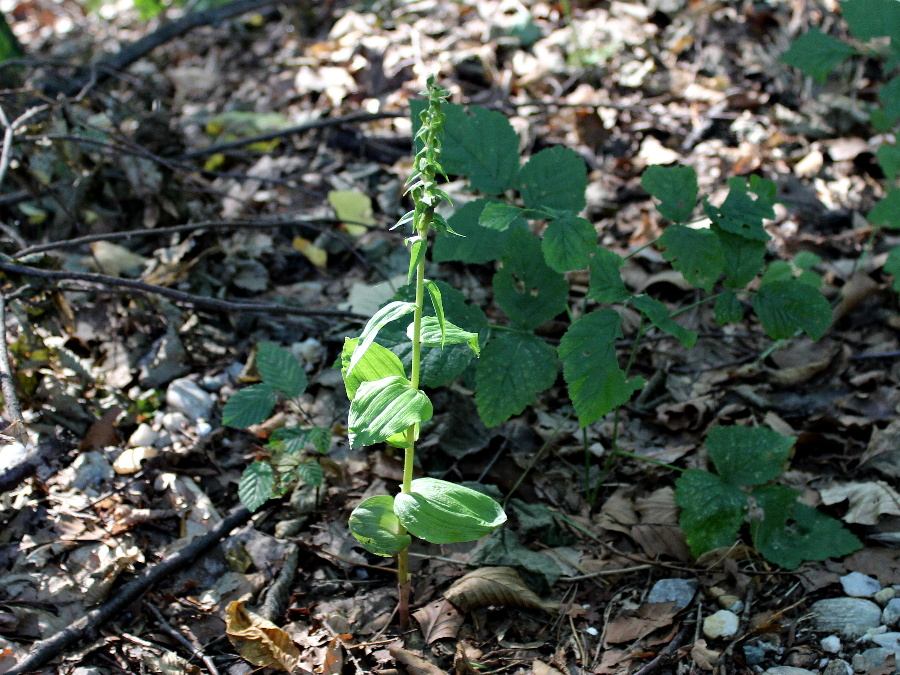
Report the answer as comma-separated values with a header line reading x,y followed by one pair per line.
x,y
288,131
277,596
46,650
197,301
193,650
666,653
100,70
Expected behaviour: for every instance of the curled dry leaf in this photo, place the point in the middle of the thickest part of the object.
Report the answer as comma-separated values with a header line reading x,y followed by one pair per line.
x,y
495,586
438,621
415,665
868,500
634,625
260,642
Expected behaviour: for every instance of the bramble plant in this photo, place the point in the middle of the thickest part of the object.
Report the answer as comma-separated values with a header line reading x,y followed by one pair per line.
x,y
818,55
288,458
386,407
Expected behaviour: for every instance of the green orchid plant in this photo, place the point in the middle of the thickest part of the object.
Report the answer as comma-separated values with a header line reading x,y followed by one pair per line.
x,y
387,406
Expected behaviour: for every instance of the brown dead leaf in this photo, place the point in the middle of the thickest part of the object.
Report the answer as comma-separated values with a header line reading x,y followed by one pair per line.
x,y
883,452
259,641
333,663
632,625
802,360
704,657
438,621
617,513
495,586
868,500
415,665
858,288
657,539
541,668
102,433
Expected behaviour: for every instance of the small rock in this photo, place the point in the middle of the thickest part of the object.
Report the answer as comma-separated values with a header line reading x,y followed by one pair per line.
x,y
213,383
858,585
871,659
142,436
679,591
831,644
851,617
203,428
754,654
175,422
787,670
310,350
838,667
722,624
891,615
90,470
887,640
186,396
884,596
731,602
12,454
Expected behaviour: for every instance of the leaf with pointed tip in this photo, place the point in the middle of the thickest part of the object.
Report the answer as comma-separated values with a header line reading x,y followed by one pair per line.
x,y
817,54
248,406
392,310
892,266
280,369
748,455
606,280
676,189
785,307
432,335
434,293
257,483
886,212
477,244
741,214
499,216
659,316
697,254
378,362
568,243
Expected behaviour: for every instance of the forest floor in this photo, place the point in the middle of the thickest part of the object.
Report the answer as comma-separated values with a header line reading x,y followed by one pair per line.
x,y
121,388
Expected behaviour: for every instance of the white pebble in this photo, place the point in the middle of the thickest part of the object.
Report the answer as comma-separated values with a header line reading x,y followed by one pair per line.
x,y
831,644
858,585
722,624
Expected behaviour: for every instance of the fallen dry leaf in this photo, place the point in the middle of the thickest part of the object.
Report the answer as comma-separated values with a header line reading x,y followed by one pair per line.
x,y
868,500
415,665
632,625
259,641
495,586
316,255
541,668
438,620
102,433
704,657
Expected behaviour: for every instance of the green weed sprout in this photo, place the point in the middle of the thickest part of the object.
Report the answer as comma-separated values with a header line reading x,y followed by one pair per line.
x,y
386,406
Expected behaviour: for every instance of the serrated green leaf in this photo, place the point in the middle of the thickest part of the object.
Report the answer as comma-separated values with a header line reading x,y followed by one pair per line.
x,y
889,157
378,362
676,189
697,254
477,244
784,307
481,145
257,483
568,243
741,214
280,369
310,473
728,309
294,440
777,270
817,54
248,406
525,287
434,292
743,258
514,368
711,510
441,512
806,260
606,283
789,532
499,216
554,178
748,455
391,311
432,336
886,213
892,266
375,525
382,408
591,369
659,316
872,18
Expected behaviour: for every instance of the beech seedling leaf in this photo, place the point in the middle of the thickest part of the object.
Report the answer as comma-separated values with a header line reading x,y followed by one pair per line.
x,y
280,369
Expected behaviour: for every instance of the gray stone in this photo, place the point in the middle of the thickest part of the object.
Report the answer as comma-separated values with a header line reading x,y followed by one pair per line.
x,y
175,422
887,640
788,670
679,591
884,596
890,617
859,585
851,617
831,644
722,624
870,659
754,654
838,667
90,470
187,397
143,436
12,454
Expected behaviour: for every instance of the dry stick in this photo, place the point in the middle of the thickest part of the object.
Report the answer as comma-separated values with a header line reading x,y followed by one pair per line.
x,y
13,412
46,650
356,117
197,301
667,652
277,596
100,70
170,630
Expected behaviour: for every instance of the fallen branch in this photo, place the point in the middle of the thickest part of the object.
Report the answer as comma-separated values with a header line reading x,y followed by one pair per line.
x,y
101,69
193,650
46,650
12,410
196,301
277,596
288,131
37,455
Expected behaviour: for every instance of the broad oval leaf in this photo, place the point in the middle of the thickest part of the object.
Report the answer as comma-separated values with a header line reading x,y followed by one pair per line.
x,y
711,510
257,483
431,335
554,178
785,307
481,145
748,455
378,362
817,54
280,369
676,189
248,406
375,525
499,216
606,279
568,243
697,254
441,512
392,310
382,408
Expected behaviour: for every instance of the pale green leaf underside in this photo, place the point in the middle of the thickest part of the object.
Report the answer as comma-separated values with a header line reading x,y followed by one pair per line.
x,y
432,336
375,525
392,310
378,362
442,512
384,408
499,216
